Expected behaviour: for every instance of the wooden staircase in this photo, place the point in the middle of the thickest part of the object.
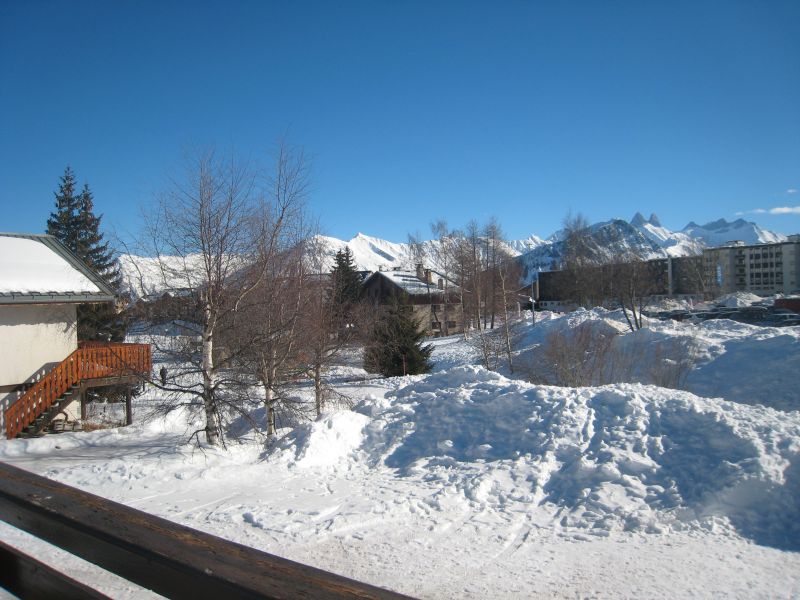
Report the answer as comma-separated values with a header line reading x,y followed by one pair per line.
x,y
92,363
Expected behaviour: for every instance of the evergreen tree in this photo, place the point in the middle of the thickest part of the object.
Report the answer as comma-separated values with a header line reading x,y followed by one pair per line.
x,y
345,279
97,321
395,347
63,223
76,226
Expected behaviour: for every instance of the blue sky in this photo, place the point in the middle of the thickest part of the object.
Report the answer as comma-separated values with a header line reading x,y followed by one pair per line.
x,y
413,111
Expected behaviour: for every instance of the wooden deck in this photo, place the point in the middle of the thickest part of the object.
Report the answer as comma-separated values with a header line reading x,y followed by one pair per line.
x,y
91,362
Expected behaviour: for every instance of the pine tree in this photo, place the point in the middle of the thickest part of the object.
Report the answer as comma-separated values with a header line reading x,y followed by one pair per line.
x,y
97,321
345,278
396,347
63,223
76,226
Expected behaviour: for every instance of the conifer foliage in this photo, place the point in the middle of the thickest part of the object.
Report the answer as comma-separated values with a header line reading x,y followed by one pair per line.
x,y
395,346
63,223
345,279
76,226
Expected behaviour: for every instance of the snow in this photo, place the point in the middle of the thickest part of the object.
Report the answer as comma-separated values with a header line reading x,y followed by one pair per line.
x,y
369,253
27,266
468,483
738,300
720,232
674,243
148,277
411,284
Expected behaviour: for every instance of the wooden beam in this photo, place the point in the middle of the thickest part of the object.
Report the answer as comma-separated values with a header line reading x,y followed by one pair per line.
x,y
170,559
26,577
114,380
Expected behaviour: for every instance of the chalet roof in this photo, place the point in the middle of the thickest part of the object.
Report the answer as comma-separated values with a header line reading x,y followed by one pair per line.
x,y
413,285
38,269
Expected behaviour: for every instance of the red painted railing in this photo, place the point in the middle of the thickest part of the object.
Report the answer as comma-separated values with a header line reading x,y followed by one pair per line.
x,y
91,361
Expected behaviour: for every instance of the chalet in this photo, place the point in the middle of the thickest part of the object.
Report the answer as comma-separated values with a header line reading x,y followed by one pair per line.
x,y
432,298
43,368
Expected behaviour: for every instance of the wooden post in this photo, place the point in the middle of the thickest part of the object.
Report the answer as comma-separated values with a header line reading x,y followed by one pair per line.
x,y
128,408
83,403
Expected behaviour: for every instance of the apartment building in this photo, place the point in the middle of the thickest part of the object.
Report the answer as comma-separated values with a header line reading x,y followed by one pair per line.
x,y
762,269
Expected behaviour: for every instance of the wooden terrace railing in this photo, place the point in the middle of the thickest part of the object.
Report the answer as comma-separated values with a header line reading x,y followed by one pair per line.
x,y
169,559
92,360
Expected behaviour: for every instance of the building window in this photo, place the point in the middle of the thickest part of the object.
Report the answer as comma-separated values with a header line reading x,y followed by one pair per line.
x,y
436,325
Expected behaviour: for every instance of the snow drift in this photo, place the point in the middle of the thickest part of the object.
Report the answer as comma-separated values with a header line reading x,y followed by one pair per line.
x,y
587,461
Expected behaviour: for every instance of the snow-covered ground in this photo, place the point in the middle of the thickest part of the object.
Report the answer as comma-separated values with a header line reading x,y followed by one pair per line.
x,y
467,483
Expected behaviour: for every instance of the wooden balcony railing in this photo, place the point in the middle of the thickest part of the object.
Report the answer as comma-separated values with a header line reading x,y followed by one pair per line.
x,y
91,360
169,559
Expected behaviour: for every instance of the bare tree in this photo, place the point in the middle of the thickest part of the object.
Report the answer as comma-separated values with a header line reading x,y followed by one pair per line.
x,y
509,272
633,280
198,233
444,251
473,270
328,326
266,328
461,270
219,233
416,248
493,256
579,261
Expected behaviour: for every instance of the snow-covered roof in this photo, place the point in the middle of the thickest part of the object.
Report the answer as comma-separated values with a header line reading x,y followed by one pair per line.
x,y
37,269
413,285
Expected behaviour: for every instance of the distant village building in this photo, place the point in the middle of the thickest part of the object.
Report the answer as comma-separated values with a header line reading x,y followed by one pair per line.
x,y
762,269
432,298
673,277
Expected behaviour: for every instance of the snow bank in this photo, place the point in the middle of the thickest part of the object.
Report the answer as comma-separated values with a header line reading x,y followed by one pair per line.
x,y
327,441
738,300
591,460
723,358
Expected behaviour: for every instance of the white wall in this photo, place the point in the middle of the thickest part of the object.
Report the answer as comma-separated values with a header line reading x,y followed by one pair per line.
x,y
33,338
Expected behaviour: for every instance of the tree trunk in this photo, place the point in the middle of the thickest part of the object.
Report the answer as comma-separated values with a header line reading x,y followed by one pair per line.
x,y
209,403
269,405
268,372
506,326
318,400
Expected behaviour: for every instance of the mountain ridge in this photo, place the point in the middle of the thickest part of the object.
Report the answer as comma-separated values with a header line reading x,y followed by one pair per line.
x,y
646,238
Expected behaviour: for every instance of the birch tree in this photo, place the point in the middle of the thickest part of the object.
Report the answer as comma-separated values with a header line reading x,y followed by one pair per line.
x,y
198,232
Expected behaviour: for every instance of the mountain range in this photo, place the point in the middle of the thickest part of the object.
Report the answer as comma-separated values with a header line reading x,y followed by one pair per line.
x,y
644,237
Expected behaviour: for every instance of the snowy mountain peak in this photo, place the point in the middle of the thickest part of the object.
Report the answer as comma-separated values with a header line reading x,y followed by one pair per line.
x,y
721,231
526,245
638,220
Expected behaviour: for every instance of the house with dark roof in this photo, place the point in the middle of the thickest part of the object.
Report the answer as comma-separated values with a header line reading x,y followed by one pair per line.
x,y
430,297
41,369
